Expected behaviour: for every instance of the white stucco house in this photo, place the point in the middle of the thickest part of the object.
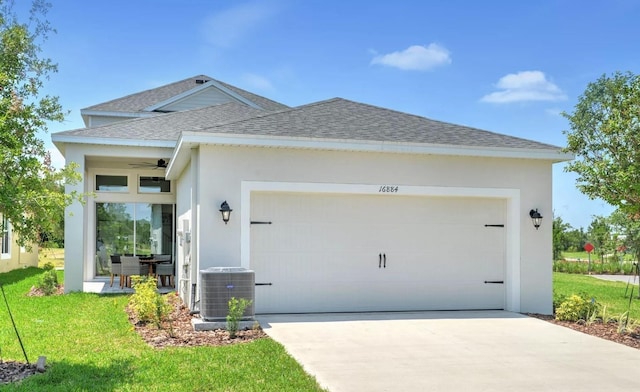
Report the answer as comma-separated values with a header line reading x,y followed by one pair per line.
x,y
337,205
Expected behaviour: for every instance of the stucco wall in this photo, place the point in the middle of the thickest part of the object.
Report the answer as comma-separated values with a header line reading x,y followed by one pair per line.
x,y
19,257
80,218
222,169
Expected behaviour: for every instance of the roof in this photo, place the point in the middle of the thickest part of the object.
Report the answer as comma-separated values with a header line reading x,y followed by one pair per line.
x,y
339,118
138,102
335,118
167,126
334,124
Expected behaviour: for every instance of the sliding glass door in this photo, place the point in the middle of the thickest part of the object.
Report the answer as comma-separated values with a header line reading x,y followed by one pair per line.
x,y
138,229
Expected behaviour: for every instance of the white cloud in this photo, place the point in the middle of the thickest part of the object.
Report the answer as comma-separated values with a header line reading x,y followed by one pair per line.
x,y
415,58
256,81
226,28
525,86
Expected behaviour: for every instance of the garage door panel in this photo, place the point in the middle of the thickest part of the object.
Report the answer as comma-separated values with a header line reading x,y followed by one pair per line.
x,y
321,253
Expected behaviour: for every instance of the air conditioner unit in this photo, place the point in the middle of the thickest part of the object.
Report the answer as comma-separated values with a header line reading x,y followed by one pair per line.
x,y
218,285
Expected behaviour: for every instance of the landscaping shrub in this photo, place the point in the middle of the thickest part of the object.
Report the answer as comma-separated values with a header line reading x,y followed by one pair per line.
x,y
236,310
148,305
48,283
576,308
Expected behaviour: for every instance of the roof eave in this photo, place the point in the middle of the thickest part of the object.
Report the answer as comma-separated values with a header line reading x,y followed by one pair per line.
x,y
375,146
189,140
60,141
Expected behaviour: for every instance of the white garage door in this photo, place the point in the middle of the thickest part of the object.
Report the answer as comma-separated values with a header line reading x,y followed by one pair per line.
x,y
342,253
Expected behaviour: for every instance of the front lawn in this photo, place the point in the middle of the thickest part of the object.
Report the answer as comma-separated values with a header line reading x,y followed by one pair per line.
x,y
611,294
91,346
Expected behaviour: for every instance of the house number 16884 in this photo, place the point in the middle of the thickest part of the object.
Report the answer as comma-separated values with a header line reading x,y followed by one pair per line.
x,y
388,189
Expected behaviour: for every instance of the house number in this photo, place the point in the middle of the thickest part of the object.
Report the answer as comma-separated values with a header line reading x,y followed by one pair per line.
x,y
388,189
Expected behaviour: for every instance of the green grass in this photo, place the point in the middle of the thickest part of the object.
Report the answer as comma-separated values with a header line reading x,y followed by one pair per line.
x,y
611,294
91,346
579,255
584,256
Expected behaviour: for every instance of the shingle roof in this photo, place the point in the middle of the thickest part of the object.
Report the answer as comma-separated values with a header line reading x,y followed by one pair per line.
x,y
139,101
169,126
335,118
343,119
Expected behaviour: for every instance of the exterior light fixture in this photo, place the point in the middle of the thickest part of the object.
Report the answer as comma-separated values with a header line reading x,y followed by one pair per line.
x,y
536,218
225,211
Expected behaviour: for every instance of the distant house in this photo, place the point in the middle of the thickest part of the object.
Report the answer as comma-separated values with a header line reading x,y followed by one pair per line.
x,y
12,255
336,205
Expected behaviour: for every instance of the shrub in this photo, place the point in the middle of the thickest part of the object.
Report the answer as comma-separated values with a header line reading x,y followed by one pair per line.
x,y
576,308
558,299
48,283
236,310
147,304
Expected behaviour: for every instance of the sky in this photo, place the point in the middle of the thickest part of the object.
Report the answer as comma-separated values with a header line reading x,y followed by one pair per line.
x,y
510,67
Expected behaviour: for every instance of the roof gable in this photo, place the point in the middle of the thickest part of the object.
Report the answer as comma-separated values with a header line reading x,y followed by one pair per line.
x,y
155,98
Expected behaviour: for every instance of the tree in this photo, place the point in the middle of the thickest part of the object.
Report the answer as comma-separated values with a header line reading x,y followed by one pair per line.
x,y
560,242
599,234
605,137
576,238
29,185
629,231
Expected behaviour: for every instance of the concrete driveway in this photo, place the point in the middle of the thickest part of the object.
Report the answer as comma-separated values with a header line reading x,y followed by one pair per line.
x,y
452,351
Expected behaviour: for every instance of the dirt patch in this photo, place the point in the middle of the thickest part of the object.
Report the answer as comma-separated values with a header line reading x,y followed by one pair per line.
x,y
179,332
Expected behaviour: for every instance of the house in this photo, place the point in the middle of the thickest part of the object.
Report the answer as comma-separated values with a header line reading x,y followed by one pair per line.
x,y
336,205
12,255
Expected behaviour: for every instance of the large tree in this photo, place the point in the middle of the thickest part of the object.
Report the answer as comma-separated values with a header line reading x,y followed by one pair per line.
x,y
29,185
605,137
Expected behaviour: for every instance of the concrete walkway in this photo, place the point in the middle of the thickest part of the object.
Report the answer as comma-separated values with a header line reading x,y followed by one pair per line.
x,y
618,278
451,351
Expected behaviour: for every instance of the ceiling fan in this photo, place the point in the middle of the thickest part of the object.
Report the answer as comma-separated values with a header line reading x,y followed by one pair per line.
x,y
160,164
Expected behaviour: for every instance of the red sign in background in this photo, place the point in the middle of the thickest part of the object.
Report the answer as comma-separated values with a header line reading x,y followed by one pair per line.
x,y
589,247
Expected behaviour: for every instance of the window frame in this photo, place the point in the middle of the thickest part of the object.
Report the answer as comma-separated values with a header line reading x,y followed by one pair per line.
x,y
96,185
139,190
5,248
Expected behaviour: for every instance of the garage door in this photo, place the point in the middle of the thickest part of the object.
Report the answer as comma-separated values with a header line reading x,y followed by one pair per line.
x,y
344,253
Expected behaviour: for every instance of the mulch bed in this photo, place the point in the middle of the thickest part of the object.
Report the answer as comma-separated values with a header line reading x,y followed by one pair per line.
x,y
13,371
608,331
179,332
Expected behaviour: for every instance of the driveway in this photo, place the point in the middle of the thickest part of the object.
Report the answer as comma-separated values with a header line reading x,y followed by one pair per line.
x,y
451,351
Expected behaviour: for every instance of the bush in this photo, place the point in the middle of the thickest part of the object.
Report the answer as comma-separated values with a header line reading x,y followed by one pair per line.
x,y
147,304
236,310
48,283
576,308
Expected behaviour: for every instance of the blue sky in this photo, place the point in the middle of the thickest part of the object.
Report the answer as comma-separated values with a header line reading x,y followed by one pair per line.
x,y
506,66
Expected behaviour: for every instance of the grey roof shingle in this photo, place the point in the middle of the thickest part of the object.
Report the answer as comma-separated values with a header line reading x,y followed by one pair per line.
x,y
335,118
168,126
339,118
139,101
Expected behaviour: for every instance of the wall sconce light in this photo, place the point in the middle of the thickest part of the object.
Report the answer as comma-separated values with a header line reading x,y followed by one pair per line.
x,y
536,218
225,211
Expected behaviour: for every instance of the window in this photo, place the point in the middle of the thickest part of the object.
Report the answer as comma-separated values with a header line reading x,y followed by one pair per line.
x,y
154,185
112,183
6,237
133,229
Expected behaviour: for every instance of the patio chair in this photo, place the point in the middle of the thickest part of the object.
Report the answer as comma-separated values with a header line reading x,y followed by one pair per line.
x,y
131,266
164,270
116,269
